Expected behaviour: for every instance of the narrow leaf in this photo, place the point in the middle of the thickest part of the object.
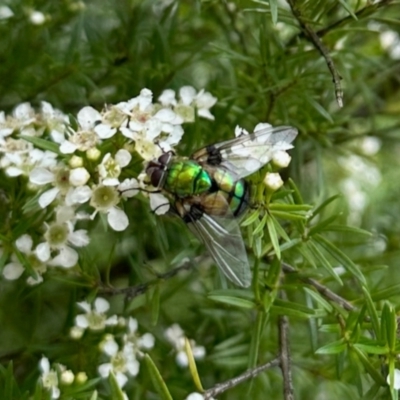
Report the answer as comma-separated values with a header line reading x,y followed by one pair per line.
x,y
333,348
274,237
192,366
158,382
233,301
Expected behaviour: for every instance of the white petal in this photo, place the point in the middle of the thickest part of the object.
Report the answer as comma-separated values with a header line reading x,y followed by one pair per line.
x,y
195,396
132,325
123,157
44,365
13,271
31,281
165,115
67,147
110,347
117,219
187,94
14,171
146,341
110,182
79,238
24,243
81,321
41,176
159,203
87,117
104,131
105,369
203,112
133,367
79,195
42,251
48,197
145,98
182,359
127,133
101,305
112,321
129,187
167,98
57,136
5,12
85,306
67,258
78,176
121,379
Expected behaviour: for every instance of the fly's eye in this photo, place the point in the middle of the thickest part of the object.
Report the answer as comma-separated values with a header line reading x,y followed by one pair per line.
x,y
157,177
165,158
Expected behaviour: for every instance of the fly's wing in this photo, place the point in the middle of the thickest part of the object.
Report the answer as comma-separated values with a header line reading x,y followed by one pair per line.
x,y
224,241
248,153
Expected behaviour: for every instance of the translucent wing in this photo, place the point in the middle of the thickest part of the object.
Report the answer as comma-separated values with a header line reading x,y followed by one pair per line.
x,y
248,153
224,241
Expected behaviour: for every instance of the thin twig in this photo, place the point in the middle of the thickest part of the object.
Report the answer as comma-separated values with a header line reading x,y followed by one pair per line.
x,y
321,289
322,49
134,291
283,323
251,373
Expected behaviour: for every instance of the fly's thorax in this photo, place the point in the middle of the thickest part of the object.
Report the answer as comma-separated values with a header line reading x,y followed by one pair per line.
x,y
187,178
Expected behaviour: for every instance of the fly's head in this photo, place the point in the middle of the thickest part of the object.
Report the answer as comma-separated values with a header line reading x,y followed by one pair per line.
x,y
157,169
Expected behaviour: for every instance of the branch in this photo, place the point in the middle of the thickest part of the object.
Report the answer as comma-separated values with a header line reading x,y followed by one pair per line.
x,y
283,323
134,291
327,293
322,49
251,373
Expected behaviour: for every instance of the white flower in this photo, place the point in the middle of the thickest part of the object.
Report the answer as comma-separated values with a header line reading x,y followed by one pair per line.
x,y
138,342
281,159
110,168
167,98
175,335
273,181
15,269
104,199
203,101
58,237
49,378
95,318
5,12
122,362
396,379
59,179
37,18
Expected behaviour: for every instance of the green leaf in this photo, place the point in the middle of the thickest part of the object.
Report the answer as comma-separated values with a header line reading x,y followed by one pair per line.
x,y
324,204
386,293
233,301
389,326
322,225
372,349
158,382
116,391
274,237
155,305
256,339
321,110
289,207
333,348
348,229
192,366
42,144
254,215
319,256
274,10
372,313
341,257
261,225
296,192
319,299
348,8
375,374
289,216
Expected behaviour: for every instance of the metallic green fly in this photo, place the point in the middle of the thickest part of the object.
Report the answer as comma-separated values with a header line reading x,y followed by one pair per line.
x,y
208,191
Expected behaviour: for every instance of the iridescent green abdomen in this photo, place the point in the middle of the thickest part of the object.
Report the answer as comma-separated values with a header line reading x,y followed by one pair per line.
x,y
187,178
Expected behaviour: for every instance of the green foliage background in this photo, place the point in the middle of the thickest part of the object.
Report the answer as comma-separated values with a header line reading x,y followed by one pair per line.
x,y
97,52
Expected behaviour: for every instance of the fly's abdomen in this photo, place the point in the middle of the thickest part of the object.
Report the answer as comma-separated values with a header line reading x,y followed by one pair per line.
x,y
187,178
235,191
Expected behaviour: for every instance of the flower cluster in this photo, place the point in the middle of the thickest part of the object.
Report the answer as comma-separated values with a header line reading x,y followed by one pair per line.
x,y
79,168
